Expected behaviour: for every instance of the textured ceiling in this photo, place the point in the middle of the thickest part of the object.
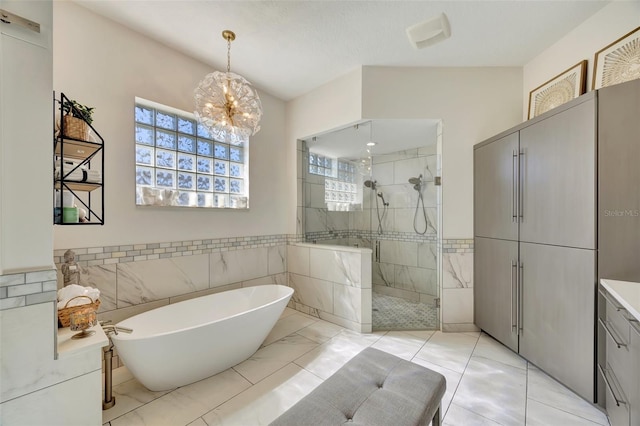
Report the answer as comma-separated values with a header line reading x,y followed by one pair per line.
x,y
288,48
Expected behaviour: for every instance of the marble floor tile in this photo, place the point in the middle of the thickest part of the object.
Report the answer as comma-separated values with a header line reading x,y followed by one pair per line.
x,y
265,401
402,345
320,331
460,416
539,414
487,384
184,405
544,389
271,358
490,348
327,358
452,377
449,350
288,325
493,390
129,396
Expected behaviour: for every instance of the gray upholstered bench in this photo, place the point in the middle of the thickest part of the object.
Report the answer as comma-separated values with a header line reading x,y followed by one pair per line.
x,y
373,388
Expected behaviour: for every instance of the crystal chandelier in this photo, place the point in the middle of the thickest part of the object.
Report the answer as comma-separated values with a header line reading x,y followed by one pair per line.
x,y
226,103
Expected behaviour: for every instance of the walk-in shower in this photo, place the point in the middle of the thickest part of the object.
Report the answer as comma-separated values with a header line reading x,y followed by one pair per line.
x,y
373,207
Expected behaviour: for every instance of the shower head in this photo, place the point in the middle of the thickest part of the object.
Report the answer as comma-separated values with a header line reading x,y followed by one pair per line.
x,y
384,202
370,184
416,180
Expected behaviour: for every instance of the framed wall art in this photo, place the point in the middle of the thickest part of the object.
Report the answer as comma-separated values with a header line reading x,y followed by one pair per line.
x,y
560,89
618,62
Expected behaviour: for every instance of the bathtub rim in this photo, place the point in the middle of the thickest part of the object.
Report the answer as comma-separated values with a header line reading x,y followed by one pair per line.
x,y
131,336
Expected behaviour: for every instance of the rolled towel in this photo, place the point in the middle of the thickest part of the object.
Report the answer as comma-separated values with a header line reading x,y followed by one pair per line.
x,y
73,290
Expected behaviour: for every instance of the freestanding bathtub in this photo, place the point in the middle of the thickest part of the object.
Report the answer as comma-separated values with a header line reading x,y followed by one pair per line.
x,y
188,341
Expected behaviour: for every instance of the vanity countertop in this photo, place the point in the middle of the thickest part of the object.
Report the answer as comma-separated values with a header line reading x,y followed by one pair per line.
x,y
625,292
68,347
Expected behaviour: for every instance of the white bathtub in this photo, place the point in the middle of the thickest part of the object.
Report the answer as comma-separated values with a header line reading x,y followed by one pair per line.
x,y
188,341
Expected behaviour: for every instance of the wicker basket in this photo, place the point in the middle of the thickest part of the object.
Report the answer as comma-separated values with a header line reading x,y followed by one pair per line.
x,y
64,314
75,127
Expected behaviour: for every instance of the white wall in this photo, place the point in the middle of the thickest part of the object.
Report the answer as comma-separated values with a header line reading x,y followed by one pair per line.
x,y
330,106
473,103
609,24
105,65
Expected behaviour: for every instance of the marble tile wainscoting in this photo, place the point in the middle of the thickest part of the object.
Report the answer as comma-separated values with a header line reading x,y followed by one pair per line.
x,y
457,285
332,283
136,278
31,374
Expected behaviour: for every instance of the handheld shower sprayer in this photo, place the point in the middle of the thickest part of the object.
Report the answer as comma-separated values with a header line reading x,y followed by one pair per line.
x,y
384,203
373,184
416,182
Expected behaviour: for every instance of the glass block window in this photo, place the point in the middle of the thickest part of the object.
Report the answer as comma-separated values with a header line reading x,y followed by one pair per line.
x,y
341,191
320,165
179,163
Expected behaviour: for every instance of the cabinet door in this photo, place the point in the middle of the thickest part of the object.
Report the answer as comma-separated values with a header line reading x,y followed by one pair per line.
x,y
557,313
495,185
494,289
558,179
619,180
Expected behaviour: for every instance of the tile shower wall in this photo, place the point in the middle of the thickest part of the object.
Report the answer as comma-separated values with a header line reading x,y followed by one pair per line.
x,y
407,266
332,283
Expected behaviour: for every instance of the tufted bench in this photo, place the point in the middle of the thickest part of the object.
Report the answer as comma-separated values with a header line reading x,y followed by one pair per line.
x,y
373,388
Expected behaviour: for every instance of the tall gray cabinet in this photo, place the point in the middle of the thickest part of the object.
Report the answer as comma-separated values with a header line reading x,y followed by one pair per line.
x,y
535,241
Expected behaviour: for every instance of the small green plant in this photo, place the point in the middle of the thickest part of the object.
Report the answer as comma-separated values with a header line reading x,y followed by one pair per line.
x,y
78,110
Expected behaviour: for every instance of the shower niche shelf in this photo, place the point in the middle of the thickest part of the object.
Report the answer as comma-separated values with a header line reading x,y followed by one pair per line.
x,y
78,151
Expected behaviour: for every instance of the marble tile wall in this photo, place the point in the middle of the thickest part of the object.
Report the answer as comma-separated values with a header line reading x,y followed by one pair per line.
x,y
27,288
28,364
457,285
332,283
136,278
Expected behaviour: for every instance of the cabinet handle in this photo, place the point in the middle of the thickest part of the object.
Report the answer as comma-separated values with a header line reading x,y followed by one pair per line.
x,y
521,186
610,388
520,298
610,333
514,187
610,300
514,321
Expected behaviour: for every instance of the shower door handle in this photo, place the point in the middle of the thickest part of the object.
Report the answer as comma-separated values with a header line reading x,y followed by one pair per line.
x,y
377,251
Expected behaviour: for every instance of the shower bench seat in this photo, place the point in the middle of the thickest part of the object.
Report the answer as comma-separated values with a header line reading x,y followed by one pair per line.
x,y
373,388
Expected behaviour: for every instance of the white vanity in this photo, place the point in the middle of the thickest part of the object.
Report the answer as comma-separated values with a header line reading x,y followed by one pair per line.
x,y
619,321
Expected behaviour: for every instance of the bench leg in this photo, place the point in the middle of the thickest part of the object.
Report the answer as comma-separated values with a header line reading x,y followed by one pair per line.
x,y
436,421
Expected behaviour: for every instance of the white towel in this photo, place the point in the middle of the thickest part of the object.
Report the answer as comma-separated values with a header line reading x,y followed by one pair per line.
x,y
67,293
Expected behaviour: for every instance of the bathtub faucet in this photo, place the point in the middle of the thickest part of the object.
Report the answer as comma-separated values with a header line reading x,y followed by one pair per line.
x,y
110,328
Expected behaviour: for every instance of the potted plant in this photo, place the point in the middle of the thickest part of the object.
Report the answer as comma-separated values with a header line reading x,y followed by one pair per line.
x,y
76,119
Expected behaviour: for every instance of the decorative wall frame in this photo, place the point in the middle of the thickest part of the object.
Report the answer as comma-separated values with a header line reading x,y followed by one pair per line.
x,y
618,62
560,89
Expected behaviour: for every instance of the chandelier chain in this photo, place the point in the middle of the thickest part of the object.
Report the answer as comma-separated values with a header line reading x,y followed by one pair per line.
x,y
228,55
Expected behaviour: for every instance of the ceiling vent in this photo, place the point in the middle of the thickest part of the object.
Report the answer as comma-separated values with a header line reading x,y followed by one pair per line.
x,y
429,32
